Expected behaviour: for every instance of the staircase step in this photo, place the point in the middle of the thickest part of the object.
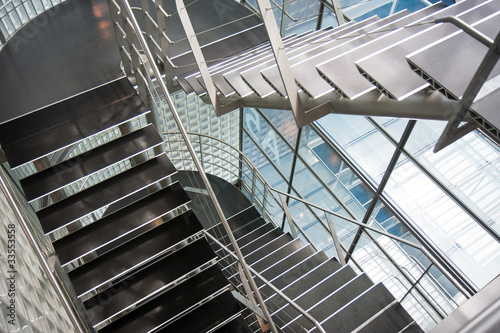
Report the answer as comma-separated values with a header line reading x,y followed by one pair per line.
x,y
265,240
392,320
272,75
171,305
327,271
40,147
83,207
209,317
261,230
120,262
358,310
139,144
264,258
238,325
288,262
65,111
164,206
357,85
122,298
324,305
384,68
232,75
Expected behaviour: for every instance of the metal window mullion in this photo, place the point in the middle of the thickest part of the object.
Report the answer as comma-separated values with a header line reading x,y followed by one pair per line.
x,y
445,264
383,183
323,184
440,185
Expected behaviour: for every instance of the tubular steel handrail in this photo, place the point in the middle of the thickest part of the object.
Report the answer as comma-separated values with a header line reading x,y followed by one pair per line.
x,y
132,27
275,194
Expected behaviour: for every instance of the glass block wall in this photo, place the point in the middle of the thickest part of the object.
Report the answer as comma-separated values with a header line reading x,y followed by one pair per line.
x,y
14,14
28,302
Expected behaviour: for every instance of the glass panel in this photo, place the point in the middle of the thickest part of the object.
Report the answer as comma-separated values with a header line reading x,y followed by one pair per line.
x,y
367,147
273,146
460,238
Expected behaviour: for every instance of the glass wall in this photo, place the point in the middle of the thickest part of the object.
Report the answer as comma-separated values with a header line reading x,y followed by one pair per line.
x,y
14,14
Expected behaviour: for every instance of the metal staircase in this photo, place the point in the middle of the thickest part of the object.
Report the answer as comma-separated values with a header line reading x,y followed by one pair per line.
x,y
334,295
382,67
96,174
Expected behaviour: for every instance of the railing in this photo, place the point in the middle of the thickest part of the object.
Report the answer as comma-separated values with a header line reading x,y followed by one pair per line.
x,y
384,257
152,88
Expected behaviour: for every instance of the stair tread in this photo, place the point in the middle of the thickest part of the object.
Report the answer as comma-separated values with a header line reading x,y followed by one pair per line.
x,y
79,167
357,85
261,241
135,252
277,244
236,325
66,110
359,310
207,316
288,262
113,301
162,309
385,66
272,73
263,259
102,194
121,223
68,133
392,320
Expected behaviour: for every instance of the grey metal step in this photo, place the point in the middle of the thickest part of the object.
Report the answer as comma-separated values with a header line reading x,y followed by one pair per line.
x,y
163,309
388,68
393,320
359,48
238,324
195,82
247,238
40,147
261,260
271,74
313,287
342,295
307,56
252,76
67,110
115,265
287,262
166,205
122,298
264,240
358,310
232,75
443,74
134,147
84,207
209,317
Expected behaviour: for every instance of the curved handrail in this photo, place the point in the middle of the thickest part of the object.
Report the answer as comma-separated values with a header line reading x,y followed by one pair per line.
x,y
273,191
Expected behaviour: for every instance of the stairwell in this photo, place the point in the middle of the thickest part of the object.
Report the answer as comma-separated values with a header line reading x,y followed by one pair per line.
x,y
96,174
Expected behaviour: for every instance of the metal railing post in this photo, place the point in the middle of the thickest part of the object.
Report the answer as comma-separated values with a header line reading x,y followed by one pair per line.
x,y
336,240
166,94
288,216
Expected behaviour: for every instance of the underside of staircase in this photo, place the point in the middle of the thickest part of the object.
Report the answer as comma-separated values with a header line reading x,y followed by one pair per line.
x,y
128,236
404,65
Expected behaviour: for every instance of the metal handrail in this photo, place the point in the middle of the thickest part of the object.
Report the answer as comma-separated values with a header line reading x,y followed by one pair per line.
x,y
276,290
273,191
129,18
